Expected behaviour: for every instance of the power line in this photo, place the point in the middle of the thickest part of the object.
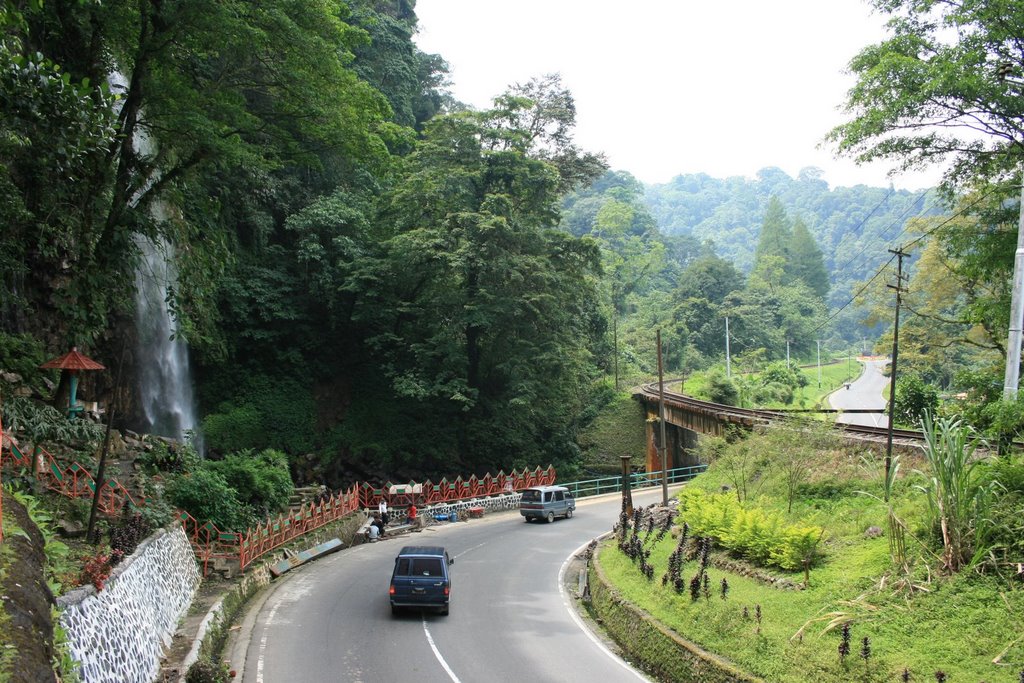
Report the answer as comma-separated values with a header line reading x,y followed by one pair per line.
x,y
854,297
960,213
897,221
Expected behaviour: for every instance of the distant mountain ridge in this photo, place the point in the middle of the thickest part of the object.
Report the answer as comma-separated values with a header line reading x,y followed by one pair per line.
x,y
852,225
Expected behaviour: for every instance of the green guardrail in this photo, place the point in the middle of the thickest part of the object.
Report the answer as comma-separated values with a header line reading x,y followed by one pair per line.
x,y
594,487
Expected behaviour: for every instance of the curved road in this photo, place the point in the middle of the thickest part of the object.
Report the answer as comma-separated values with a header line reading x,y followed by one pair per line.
x,y
866,392
510,619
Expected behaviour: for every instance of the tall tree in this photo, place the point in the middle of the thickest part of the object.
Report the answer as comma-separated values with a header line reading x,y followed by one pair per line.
x,y
771,257
934,90
488,313
806,262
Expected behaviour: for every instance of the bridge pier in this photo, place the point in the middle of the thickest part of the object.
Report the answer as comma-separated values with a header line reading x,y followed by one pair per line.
x,y
681,445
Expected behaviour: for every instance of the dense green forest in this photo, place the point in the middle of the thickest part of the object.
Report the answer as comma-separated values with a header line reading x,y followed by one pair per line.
x,y
851,226
382,282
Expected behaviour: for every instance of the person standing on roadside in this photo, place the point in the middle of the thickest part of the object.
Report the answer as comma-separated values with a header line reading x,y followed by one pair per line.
x,y
382,510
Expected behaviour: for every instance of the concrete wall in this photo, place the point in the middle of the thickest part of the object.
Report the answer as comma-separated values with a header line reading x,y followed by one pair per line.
x,y
507,501
119,634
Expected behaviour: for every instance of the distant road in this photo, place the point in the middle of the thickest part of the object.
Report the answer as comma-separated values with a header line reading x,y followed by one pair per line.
x,y
867,392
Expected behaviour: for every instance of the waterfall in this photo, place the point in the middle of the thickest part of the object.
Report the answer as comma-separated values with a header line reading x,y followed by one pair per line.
x,y
165,383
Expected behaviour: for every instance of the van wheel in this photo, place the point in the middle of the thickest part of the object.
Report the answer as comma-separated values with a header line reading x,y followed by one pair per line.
x,y
444,611
568,513
551,517
395,610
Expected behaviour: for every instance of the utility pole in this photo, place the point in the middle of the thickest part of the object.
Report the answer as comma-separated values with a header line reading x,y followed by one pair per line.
x,y
787,353
819,362
728,366
1016,309
1013,343
895,356
661,421
615,343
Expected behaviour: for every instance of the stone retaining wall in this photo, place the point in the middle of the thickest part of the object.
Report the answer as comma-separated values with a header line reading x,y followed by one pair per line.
x,y
506,501
654,647
119,634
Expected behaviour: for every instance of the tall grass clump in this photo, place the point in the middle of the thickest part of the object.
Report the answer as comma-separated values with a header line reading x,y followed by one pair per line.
x,y
957,507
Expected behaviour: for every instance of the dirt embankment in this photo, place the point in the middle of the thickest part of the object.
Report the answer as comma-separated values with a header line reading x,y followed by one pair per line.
x,y
26,600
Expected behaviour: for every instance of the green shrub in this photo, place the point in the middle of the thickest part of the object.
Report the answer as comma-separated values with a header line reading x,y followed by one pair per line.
x,y
23,354
263,412
1004,477
913,397
167,458
761,537
206,495
262,480
233,427
205,670
722,390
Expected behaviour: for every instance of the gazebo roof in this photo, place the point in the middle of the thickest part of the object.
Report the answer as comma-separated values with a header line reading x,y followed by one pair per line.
x,y
72,360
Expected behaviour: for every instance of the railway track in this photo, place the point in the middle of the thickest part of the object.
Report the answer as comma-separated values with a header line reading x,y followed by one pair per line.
x,y
764,416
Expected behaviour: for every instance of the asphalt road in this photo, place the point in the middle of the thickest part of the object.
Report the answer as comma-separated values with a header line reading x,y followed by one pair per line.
x,y
866,392
510,619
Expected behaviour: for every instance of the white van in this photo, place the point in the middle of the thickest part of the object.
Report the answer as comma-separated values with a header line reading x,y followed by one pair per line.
x,y
547,502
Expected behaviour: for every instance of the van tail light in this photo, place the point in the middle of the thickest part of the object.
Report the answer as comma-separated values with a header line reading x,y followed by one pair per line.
x,y
391,591
447,590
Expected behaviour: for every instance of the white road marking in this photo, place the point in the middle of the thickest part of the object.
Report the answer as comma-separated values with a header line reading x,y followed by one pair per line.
x,y
437,653
579,622
263,643
478,545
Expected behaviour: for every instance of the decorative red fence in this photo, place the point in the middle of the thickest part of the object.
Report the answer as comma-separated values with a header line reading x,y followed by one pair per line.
x,y
210,543
73,480
428,493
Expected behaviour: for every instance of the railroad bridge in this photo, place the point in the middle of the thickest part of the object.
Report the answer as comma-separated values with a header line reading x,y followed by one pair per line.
x,y
687,417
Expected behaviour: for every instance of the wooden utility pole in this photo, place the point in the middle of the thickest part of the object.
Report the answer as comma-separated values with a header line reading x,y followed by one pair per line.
x,y
895,356
615,344
661,421
627,493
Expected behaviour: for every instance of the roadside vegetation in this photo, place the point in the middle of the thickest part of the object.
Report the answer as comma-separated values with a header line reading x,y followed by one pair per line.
x,y
757,382
796,559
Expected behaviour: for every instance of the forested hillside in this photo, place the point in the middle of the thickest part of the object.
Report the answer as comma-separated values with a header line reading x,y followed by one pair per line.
x,y
379,281
369,279
852,226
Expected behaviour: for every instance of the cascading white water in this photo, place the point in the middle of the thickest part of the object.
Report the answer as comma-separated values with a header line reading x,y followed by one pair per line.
x,y
165,382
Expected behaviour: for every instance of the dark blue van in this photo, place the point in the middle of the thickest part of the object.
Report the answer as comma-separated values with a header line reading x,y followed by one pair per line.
x,y
420,579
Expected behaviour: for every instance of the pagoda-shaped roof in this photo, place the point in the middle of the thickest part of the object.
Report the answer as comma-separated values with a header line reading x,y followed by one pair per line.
x,y
72,360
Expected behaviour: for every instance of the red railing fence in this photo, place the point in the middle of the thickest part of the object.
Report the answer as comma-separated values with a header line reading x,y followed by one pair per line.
x,y
210,543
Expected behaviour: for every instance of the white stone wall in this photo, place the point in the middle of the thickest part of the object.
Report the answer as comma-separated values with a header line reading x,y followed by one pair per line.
x,y
506,501
119,634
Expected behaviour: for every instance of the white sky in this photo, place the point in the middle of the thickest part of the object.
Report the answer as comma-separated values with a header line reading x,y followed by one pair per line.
x,y
663,87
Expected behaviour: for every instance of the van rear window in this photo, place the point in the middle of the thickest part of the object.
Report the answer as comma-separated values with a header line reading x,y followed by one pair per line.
x,y
418,566
531,496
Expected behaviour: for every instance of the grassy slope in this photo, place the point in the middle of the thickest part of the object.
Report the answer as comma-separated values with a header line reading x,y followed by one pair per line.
x,y
957,625
618,430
